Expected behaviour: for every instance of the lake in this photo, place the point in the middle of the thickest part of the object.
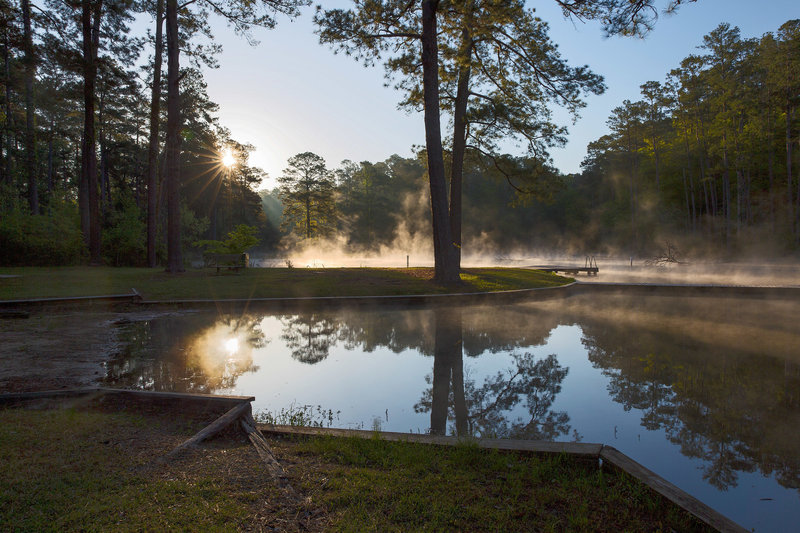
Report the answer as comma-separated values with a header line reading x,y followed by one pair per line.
x,y
703,391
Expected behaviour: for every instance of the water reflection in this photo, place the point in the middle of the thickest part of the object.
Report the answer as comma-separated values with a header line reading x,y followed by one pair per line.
x,y
733,410
713,383
191,354
309,336
486,410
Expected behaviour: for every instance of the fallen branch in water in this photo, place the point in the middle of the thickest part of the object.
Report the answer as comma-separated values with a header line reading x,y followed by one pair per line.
x,y
669,255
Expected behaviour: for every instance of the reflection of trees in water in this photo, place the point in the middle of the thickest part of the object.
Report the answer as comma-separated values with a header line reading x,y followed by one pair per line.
x,y
309,336
735,410
187,353
447,333
484,410
710,390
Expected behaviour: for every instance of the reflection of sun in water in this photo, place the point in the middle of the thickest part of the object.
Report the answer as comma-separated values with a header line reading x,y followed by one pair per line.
x,y
232,346
227,158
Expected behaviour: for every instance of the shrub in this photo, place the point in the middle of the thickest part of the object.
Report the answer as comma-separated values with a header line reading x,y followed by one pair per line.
x,y
124,238
41,240
239,241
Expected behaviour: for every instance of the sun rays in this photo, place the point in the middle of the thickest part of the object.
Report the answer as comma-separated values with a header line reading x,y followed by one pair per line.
x,y
227,158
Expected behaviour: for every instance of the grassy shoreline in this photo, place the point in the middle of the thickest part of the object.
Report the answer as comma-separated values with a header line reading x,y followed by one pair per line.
x,y
106,461
155,284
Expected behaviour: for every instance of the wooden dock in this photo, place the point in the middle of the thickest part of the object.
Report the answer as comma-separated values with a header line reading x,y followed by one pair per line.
x,y
589,267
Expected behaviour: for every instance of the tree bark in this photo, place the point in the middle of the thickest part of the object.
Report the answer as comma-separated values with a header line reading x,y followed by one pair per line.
x,y
90,25
459,141
7,170
30,131
789,189
152,146
445,262
173,144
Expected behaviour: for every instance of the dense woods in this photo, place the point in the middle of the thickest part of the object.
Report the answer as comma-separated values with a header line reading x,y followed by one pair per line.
x,y
707,158
710,153
99,149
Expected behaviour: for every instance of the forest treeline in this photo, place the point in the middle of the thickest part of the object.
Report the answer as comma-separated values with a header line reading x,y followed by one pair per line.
x,y
708,158
100,149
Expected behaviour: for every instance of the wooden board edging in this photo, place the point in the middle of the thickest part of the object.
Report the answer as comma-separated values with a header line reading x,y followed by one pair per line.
x,y
215,427
476,298
17,397
111,298
533,446
680,498
177,395
583,450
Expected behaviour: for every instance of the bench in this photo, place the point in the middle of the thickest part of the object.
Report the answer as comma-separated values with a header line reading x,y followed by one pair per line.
x,y
226,261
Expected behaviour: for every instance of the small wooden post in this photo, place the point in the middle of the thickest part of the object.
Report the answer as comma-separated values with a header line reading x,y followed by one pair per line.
x,y
406,261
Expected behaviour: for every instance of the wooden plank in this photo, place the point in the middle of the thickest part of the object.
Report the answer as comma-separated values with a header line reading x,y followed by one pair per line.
x,y
214,428
21,397
18,397
112,298
158,395
265,452
532,446
671,492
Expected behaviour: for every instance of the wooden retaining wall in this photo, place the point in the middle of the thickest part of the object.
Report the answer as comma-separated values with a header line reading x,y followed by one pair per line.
x,y
429,300
82,301
239,410
597,452
173,398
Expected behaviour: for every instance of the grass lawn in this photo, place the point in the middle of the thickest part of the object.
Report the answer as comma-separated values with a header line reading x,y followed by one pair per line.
x,y
67,470
155,284
84,470
376,485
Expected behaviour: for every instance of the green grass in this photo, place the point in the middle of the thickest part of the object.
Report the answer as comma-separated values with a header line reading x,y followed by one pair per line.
x,y
375,485
65,470
155,284
69,471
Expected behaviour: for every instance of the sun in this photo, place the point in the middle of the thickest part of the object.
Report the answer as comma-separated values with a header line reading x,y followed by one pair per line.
x,y
232,346
227,158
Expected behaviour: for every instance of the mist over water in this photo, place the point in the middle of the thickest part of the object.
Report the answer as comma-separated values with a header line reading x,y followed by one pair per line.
x,y
613,269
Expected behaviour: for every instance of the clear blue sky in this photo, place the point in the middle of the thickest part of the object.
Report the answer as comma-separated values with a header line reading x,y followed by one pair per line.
x,y
290,95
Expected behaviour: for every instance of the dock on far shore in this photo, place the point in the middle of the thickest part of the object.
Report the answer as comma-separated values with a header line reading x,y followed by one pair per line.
x,y
589,267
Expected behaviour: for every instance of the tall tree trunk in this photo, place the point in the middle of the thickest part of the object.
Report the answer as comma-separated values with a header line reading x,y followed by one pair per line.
x,y
445,261
173,147
8,175
726,192
152,146
102,175
460,135
789,189
105,186
90,22
686,198
771,168
30,132
83,191
50,168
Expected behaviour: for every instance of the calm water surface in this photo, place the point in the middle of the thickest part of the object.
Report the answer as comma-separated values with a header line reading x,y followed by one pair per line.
x,y
704,391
